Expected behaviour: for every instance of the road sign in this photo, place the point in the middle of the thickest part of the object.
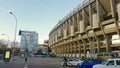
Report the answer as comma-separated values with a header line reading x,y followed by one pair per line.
x,y
7,56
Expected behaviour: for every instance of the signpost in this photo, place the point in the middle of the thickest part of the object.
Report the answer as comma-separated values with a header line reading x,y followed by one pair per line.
x,y
25,54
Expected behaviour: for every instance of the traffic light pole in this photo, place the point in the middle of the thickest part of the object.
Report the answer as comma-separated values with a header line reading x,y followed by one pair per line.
x,y
26,49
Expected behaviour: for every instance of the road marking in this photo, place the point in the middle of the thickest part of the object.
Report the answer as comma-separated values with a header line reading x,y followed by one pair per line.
x,y
26,66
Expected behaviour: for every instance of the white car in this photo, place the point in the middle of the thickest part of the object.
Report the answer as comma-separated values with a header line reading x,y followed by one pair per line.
x,y
74,62
109,63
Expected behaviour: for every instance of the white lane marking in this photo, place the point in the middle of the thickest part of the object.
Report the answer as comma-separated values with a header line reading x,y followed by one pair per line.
x,y
26,66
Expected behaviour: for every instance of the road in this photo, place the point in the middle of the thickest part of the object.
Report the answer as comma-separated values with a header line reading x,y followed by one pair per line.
x,y
34,63
11,65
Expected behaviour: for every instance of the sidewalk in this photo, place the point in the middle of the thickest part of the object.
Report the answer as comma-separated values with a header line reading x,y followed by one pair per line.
x,y
11,60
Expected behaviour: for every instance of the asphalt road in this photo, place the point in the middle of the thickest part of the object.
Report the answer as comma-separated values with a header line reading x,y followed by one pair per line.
x,y
30,66
35,63
11,65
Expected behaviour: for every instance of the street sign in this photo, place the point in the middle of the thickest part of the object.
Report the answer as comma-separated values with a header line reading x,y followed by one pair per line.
x,y
7,56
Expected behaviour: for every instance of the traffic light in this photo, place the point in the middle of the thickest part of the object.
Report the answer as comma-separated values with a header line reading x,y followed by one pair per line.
x,y
20,32
22,55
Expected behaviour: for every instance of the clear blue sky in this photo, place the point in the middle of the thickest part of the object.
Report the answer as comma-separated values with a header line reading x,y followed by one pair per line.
x,y
33,15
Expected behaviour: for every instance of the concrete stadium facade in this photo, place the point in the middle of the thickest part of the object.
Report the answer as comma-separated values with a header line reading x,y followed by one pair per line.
x,y
92,27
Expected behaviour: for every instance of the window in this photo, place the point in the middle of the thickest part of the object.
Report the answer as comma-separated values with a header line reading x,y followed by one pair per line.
x,y
117,62
110,62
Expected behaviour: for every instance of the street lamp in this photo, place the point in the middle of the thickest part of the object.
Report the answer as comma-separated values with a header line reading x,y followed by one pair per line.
x,y
8,39
15,32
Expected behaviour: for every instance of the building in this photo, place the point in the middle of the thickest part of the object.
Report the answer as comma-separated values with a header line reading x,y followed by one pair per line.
x,y
29,40
44,47
92,27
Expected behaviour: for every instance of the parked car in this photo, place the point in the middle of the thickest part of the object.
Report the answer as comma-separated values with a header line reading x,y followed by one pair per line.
x,y
71,62
104,55
88,63
53,55
1,56
109,63
74,62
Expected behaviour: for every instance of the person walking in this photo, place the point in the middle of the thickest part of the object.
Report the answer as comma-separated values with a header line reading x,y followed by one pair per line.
x,y
25,59
65,61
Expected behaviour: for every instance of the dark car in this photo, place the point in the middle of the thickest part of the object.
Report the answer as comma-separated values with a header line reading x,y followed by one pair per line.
x,y
89,63
1,57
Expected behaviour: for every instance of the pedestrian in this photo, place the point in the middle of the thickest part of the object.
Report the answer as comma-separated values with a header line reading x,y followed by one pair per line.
x,y
83,57
65,61
25,59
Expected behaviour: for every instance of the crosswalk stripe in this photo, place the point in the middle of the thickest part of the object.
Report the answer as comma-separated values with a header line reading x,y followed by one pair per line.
x,y
26,66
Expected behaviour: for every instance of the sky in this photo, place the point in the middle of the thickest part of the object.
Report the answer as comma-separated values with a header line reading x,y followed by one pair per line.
x,y
33,15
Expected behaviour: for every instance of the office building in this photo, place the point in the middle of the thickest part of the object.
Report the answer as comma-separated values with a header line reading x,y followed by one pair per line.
x,y
29,41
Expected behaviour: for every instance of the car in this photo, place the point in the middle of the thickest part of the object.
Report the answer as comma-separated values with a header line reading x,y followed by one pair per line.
x,y
38,55
74,62
104,55
88,63
53,55
1,57
109,63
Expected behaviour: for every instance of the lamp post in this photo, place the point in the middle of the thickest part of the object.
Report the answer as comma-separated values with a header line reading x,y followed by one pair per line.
x,y
15,32
8,39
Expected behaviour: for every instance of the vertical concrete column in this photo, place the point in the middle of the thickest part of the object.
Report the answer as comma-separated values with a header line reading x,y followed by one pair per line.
x,y
68,50
98,44
78,19
74,24
60,50
118,9
84,44
99,11
108,43
91,47
79,46
69,26
55,50
75,48
113,10
90,14
71,49
63,50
